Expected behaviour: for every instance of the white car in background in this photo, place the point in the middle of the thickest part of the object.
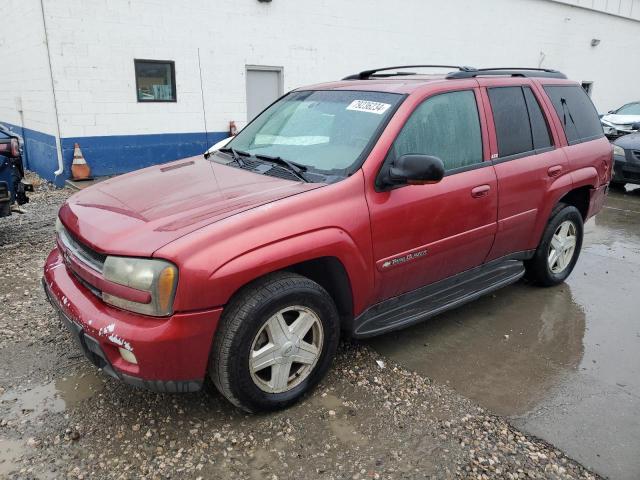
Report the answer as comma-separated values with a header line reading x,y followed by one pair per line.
x,y
622,121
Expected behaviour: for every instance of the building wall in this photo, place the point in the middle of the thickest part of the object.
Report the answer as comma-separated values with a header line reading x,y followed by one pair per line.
x,y
93,45
26,98
622,8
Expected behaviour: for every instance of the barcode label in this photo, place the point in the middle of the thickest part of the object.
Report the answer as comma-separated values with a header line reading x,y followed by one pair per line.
x,y
367,106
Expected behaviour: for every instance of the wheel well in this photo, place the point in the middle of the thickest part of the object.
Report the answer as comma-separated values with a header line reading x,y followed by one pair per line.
x,y
331,275
579,198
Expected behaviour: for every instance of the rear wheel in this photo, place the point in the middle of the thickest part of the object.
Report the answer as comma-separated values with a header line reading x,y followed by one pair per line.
x,y
559,249
276,340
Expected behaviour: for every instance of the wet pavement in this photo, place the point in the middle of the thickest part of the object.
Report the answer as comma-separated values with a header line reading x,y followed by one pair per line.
x,y
561,363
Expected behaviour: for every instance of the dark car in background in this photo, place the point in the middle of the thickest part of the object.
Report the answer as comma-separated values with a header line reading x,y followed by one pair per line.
x,y
13,187
626,157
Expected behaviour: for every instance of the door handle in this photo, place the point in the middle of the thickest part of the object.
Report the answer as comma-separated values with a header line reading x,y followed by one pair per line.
x,y
554,171
480,191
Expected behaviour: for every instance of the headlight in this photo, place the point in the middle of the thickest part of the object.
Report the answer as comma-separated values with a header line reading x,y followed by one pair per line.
x,y
158,277
618,150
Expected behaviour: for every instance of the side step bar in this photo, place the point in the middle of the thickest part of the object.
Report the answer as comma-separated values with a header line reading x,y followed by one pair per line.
x,y
413,307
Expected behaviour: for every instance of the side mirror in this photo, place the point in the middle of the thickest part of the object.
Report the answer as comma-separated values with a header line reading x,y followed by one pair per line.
x,y
414,169
611,111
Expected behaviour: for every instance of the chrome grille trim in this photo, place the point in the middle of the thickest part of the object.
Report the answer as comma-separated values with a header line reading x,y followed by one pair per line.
x,y
84,254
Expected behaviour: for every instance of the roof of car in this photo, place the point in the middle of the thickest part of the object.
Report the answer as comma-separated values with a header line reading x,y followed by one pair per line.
x,y
398,84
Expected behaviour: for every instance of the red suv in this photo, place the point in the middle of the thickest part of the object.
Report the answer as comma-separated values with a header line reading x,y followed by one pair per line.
x,y
359,206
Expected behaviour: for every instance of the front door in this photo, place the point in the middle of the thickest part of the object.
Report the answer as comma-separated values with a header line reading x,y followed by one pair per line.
x,y
425,233
264,86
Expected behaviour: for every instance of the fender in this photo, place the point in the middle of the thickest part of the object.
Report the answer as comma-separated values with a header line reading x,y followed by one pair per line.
x,y
585,176
558,189
332,242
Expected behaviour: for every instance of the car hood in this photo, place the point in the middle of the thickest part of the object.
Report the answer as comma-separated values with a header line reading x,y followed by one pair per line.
x,y
631,141
621,119
137,213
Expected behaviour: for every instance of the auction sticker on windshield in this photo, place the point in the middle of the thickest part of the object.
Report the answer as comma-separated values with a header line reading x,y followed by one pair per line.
x,y
368,106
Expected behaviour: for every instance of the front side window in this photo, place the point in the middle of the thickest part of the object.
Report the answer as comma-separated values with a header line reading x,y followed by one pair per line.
x,y
577,114
323,130
155,81
446,126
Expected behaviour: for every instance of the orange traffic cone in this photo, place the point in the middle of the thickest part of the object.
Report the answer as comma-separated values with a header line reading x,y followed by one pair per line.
x,y
79,168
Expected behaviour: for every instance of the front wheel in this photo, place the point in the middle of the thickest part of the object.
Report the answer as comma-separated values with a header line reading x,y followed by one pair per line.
x,y
276,340
559,248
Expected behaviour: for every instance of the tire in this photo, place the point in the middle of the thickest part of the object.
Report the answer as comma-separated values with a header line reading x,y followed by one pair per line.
x,y
538,269
247,324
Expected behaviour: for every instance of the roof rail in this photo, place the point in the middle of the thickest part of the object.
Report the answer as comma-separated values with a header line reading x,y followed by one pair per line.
x,y
510,71
366,74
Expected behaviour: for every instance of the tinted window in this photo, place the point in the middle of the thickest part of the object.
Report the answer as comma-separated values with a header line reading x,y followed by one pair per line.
x,y
576,112
446,126
539,129
511,120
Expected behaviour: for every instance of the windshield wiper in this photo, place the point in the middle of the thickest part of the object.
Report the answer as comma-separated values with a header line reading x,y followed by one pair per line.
x,y
236,155
297,169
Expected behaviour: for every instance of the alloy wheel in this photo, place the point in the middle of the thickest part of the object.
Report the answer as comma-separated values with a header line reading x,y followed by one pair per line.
x,y
562,247
286,349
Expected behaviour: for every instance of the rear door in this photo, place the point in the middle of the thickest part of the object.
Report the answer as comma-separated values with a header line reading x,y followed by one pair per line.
x,y
425,233
525,159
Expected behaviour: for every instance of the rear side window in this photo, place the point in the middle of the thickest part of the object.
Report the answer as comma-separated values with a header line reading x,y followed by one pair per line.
x,y
511,119
446,126
539,128
576,112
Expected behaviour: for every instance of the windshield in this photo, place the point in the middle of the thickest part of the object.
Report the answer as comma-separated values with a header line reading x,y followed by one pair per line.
x,y
324,130
630,109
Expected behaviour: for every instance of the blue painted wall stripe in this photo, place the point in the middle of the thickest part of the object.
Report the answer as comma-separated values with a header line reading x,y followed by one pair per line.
x,y
109,155
40,153
112,154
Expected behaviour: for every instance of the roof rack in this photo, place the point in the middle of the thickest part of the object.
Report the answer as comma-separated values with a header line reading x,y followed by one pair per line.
x,y
366,74
509,71
463,72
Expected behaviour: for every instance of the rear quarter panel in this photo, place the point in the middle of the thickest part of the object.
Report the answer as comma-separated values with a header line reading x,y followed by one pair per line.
x,y
589,164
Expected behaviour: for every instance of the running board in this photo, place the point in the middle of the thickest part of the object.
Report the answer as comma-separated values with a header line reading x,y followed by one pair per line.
x,y
413,307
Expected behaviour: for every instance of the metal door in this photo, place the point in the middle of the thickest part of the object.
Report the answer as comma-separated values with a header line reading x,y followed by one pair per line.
x,y
264,86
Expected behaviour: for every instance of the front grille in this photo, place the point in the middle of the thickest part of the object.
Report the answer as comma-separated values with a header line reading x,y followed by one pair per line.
x,y
83,253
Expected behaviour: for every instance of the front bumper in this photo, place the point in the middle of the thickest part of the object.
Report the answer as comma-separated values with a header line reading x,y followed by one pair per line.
x,y
626,171
172,353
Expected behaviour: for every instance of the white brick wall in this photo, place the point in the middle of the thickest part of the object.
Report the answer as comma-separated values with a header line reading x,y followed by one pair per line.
x,y
25,76
93,44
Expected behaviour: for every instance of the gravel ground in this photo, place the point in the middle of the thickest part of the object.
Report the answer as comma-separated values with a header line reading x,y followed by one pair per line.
x,y
61,418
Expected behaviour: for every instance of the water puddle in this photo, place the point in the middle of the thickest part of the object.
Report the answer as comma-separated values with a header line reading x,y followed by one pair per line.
x,y
10,452
54,397
339,422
